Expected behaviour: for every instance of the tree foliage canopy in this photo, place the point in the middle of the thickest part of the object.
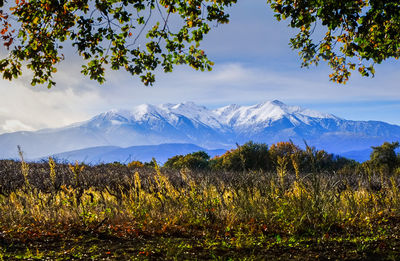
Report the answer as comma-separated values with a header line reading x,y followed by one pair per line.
x,y
253,156
195,161
142,35
135,35
385,156
356,32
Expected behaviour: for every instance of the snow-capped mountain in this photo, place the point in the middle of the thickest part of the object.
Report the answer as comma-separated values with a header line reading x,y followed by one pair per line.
x,y
222,128
266,113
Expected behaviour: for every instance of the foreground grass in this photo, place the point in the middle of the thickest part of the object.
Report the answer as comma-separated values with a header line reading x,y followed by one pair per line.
x,y
179,248
104,246
113,212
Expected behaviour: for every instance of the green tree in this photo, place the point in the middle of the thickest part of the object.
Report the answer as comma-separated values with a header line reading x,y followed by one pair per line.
x,y
194,161
175,162
384,156
249,156
137,35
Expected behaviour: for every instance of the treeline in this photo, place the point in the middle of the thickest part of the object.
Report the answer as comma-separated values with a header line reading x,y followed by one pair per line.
x,y
282,156
288,157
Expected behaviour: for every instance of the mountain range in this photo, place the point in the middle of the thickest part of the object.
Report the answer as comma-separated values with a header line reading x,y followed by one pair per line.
x,y
188,123
107,154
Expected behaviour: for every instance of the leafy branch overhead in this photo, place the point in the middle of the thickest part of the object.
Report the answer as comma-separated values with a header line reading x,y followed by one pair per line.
x,y
135,35
356,34
142,35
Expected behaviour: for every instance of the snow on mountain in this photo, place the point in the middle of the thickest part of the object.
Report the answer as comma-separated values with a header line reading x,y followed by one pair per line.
x,y
192,111
266,113
187,122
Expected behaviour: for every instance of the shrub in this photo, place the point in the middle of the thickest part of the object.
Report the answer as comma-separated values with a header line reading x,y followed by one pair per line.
x,y
135,164
193,161
249,156
384,158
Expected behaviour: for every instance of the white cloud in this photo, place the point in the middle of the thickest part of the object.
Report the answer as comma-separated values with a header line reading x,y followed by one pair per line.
x,y
22,107
15,125
77,99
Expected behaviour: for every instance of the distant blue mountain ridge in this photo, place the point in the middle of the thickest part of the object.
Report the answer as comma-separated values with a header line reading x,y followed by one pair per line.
x,y
112,136
109,154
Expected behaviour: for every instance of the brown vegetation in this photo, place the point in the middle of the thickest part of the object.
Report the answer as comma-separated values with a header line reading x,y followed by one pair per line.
x,y
198,214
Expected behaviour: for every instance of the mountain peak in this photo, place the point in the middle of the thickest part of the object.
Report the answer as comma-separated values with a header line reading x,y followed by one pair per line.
x,y
274,103
278,103
146,110
188,106
261,114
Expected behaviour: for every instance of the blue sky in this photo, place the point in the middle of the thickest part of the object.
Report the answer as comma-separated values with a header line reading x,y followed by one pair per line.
x,y
253,63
